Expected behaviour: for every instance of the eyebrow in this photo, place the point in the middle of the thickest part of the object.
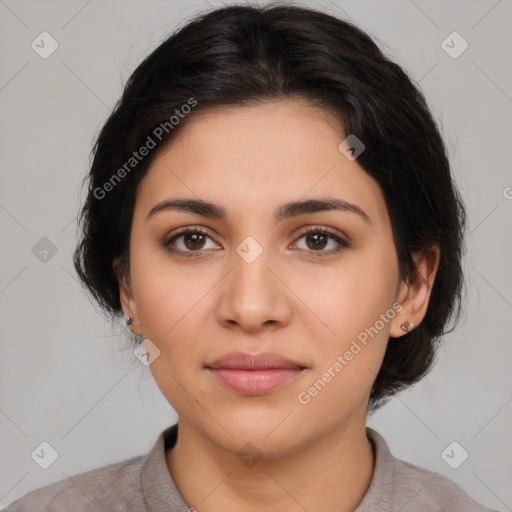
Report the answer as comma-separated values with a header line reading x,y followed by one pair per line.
x,y
284,211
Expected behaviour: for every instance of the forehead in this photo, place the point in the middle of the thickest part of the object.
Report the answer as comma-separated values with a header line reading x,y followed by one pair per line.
x,y
251,158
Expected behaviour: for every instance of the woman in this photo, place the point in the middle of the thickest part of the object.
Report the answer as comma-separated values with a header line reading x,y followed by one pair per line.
x,y
270,205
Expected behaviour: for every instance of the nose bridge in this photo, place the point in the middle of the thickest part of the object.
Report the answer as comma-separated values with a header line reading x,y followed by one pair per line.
x,y
251,274
252,295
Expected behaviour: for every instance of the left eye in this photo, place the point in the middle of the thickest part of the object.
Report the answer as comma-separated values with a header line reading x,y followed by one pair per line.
x,y
317,239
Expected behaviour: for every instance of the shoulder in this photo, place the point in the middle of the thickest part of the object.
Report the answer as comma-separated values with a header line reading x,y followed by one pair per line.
x,y
112,487
400,485
432,491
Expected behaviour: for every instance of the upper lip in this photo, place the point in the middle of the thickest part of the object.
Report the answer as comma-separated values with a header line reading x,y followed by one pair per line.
x,y
243,361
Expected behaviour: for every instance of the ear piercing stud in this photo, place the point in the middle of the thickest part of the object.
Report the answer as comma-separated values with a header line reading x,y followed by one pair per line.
x,y
129,320
407,326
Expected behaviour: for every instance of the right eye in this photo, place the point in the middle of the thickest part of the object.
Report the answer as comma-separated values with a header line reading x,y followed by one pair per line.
x,y
187,241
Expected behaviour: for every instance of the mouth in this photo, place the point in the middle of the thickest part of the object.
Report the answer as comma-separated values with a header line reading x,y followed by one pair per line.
x,y
254,374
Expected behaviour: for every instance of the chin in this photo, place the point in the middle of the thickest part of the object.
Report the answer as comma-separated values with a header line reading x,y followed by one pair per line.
x,y
264,429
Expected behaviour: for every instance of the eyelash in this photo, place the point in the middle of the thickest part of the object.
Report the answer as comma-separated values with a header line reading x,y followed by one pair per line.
x,y
343,244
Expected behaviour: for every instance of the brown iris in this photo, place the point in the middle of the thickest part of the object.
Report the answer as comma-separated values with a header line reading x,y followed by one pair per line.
x,y
319,240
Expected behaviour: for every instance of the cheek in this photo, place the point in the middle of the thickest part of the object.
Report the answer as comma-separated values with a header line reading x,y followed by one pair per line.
x,y
349,355
167,295
352,297
172,305
356,309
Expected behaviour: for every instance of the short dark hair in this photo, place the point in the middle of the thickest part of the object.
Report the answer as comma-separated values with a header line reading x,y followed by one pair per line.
x,y
245,54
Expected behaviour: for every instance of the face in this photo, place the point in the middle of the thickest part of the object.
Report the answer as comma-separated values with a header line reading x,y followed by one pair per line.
x,y
299,282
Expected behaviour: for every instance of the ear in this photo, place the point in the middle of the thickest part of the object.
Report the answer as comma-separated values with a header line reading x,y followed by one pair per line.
x,y
414,295
126,295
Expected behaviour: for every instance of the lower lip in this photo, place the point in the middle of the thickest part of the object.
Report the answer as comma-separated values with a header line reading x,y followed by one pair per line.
x,y
255,382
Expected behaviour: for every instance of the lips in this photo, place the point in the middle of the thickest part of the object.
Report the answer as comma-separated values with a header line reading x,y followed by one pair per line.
x,y
254,374
264,361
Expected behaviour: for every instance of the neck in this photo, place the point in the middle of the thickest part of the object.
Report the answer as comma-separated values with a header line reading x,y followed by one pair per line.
x,y
329,473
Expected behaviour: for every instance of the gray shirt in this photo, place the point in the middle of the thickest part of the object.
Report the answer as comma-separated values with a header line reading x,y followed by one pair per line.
x,y
144,484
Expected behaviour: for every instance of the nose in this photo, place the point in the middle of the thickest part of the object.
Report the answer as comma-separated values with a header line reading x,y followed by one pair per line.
x,y
253,297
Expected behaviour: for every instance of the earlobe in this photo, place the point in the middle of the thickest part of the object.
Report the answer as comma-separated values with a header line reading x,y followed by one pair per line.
x,y
414,295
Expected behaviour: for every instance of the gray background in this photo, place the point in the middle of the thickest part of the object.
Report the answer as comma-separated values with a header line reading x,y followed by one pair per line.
x,y
64,377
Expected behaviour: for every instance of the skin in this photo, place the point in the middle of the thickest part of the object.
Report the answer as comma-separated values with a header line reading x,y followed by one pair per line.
x,y
296,299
